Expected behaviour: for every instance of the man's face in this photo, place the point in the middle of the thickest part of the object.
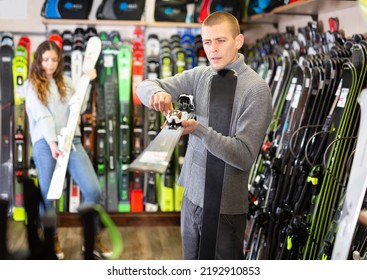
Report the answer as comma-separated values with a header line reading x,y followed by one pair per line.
x,y
220,45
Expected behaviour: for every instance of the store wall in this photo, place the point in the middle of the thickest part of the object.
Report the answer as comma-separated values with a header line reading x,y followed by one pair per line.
x,y
351,21
33,27
31,24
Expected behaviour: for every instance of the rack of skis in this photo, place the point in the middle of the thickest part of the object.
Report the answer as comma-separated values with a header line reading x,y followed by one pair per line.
x,y
299,180
115,126
14,61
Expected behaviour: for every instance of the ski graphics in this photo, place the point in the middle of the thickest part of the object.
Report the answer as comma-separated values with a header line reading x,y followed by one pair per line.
x,y
92,52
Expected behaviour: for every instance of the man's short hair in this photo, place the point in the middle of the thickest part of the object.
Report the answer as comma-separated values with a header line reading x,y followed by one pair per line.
x,y
220,17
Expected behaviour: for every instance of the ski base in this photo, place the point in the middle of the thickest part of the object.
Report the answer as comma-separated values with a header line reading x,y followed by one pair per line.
x,y
156,157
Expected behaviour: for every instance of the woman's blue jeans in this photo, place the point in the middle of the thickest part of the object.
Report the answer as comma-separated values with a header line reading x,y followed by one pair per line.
x,y
79,167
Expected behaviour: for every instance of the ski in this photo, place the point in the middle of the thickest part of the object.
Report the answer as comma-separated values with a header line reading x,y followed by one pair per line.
x,y
152,123
20,73
100,150
165,180
6,115
181,62
156,157
88,117
110,89
92,52
150,180
124,60
76,71
137,73
356,189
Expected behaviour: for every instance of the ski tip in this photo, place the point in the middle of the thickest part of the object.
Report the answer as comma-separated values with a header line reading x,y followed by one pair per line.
x,y
95,40
92,52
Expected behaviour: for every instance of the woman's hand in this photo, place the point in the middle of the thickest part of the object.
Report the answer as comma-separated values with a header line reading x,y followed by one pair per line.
x,y
92,74
55,151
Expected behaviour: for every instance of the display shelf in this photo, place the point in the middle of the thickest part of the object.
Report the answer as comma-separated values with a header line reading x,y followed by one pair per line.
x,y
88,22
123,219
310,8
127,219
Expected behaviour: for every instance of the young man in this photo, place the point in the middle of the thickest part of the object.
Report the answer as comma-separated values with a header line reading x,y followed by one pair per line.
x,y
250,117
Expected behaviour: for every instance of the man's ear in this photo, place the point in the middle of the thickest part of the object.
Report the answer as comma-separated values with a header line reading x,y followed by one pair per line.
x,y
239,41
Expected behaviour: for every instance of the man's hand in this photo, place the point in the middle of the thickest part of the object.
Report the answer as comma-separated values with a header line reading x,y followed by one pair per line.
x,y
189,126
162,102
55,151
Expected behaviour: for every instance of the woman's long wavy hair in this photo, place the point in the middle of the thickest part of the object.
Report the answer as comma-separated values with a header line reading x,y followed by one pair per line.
x,y
37,75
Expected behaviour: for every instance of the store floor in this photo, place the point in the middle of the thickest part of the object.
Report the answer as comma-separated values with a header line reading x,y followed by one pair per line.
x,y
140,243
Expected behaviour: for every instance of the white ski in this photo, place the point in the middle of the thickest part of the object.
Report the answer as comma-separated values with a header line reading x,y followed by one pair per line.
x,y
76,66
92,52
156,156
356,189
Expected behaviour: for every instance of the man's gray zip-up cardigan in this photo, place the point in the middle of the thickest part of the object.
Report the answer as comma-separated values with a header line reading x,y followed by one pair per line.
x,y
251,116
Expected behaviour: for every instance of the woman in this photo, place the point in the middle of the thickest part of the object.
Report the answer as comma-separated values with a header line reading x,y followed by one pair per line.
x,y
47,93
